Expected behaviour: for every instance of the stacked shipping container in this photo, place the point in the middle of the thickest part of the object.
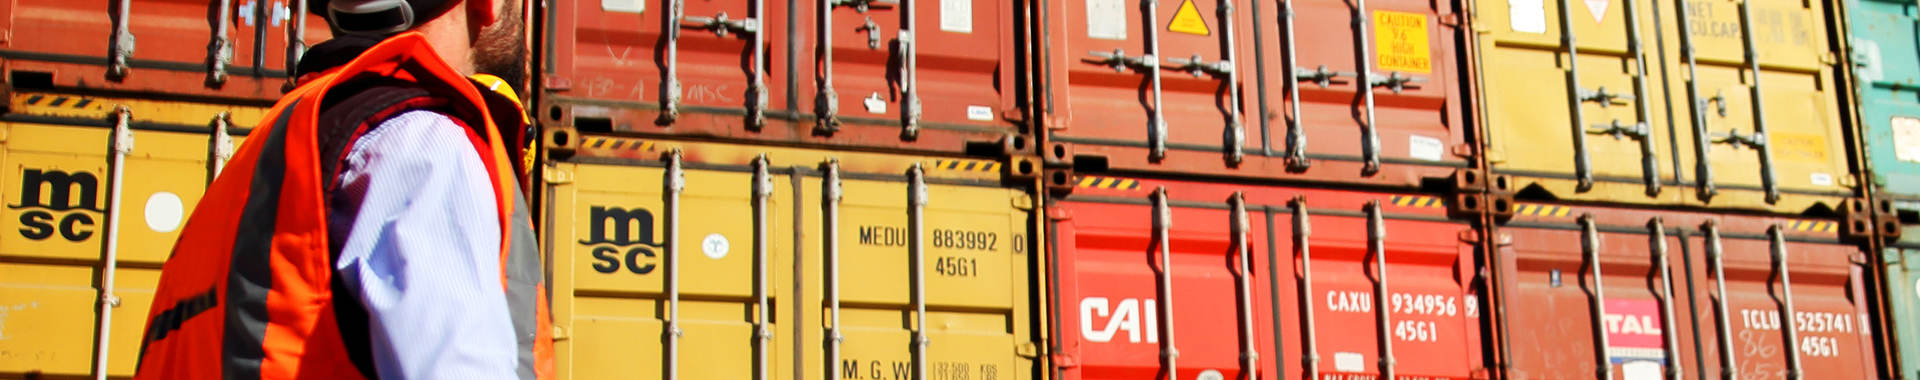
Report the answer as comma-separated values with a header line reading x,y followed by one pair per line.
x,y
1086,189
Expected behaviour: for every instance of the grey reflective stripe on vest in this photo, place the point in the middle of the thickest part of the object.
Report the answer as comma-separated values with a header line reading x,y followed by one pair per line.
x,y
524,274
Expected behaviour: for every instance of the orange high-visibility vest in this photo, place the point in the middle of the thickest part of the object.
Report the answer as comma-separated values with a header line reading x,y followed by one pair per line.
x,y
249,292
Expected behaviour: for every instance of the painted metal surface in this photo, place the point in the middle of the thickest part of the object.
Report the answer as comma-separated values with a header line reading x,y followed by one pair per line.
x,y
1902,271
1661,294
1712,104
761,291
1883,37
232,49
900,75
1259,282
54,268
1361,92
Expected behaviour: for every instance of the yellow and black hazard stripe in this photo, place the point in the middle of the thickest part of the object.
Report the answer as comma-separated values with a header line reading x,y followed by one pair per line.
x,y
615,143
1095,182
1416,201
966,165
1811,226
57,101
1536,209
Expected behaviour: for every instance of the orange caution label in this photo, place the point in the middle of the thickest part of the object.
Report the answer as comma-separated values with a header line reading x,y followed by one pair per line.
x,y
1401,39
1187,20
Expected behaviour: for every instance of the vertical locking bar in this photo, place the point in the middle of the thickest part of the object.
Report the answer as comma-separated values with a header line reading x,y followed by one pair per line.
x,y
762,329
1701,145
757,85
1296,131
1670,336
917,228
1162,227
1369,133
262,17
831,194
676,182
1778,244
1238,141
669,71
121,43
220,50
909,92
1590,247
1243,247
121,144
297,39
1758,107
219,145
826,104
1649,165
1582,163
1377,245
1157,138
1729,363
1302,232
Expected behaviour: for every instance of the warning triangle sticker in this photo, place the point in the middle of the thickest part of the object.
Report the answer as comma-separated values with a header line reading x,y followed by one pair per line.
x,y
1598,8
1187,20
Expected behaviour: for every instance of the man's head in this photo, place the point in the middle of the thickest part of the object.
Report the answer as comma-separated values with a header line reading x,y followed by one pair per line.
x,y
475,36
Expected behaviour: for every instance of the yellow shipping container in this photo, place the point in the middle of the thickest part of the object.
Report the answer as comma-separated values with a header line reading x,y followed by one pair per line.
x,y
58,193
804,264
1649,115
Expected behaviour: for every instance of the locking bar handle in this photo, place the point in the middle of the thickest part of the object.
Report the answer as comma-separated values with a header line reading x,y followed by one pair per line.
x,y
1576,96
1643,134
1296,130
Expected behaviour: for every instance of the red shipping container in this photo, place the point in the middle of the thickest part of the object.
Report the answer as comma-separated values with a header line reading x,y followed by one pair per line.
x,y
1262,279
74,44
1553,299
766,71
1257,89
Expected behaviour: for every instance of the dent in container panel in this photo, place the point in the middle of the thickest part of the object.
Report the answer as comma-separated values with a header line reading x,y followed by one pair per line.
x,y
1659,293
900,75
1260,281
732,262
58,197
230,49
1259,90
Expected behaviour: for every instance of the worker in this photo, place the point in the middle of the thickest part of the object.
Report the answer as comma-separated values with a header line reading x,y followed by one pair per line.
x,y
374,223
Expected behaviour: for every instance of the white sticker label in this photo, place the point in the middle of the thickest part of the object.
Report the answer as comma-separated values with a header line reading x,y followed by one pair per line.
x,y
1425,148
1211,374
1349,362
1866,53
875,104
956,16
628,6
163,212
1821,179
715,246
1107,19
1527,16
981,113
1641,370
1906,138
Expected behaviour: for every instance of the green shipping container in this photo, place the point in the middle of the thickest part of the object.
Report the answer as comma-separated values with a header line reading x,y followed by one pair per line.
x,y
1903,293
1884,35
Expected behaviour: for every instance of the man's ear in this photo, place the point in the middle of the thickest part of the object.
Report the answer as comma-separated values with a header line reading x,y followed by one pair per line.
x,y
483,12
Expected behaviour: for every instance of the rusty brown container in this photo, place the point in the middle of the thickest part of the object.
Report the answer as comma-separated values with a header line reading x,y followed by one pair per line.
x,y
1356,92
226,49
1663,294
922,76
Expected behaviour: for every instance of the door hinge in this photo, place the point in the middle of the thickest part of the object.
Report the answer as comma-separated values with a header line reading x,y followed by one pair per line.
x,y
1028,350
1023,202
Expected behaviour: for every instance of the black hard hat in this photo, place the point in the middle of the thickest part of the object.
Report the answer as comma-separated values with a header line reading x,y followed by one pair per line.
x,y
377,17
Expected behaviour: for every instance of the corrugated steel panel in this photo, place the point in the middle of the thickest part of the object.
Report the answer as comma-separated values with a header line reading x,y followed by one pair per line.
x,y
1883,37
1695,295
1903,300
1646,115
57,196
71,44
772,73
1260,282
946,286
1309,91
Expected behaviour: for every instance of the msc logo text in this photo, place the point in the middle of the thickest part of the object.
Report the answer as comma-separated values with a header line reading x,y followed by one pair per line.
x,y
49,204
621,239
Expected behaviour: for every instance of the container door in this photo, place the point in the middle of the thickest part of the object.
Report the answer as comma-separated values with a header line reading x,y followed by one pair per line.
x,y
1123,309
1431,324
1564,319
1888,64
1590,124
956,62
1903,298
172,48
1759,135
719,64
1826,293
